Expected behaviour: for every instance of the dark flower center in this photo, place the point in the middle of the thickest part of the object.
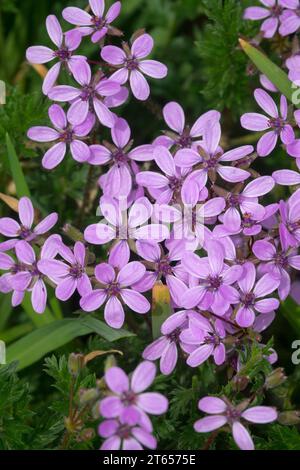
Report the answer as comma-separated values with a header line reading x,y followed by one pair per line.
x,y
211,163
185,139
132,64
24,232
113,289
247,221
281,260
215,282
277,124
120,157
128,398
234,200
124,431
248,299
232,414
87,93
76,271
212,338
174,336
63,54
276,11
67,136
98,22
163,267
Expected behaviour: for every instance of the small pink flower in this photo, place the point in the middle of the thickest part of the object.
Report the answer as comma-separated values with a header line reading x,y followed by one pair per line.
x,y
132,65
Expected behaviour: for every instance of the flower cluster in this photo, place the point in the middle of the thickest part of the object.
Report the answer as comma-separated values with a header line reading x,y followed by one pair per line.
x,y
184,211
125,409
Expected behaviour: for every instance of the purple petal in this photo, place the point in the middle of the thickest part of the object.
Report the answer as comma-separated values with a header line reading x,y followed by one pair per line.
x,y
108,428
26,212
97,7
266,305
143,153
78,112
236,154
242,437
54,30
46,224
267,143
264,250
151,179
51,77
142,46
57,116
260,414
25,253
259,187
200,355
174,116
39,54
209,423
269,27
232,174
64,93
247,281
186,158
77,16
139,85
136,301
144,437
105,116
212,405
112,443
153,403
80,151
153,68
256,13
9,227
143,376
114,313
267,103
169,359
113,55
255,122
39,296
131,273
155,349
177,289
93,300
164,160
42,134
116,380
66,288
54,156
266,285
198,128
121,133
245,317
105,273
111,407
99,234
212,136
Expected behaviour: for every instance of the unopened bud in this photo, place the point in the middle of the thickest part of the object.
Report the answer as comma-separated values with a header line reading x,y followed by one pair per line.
x,y
75,364
110,362
87,395
276,378
86,435
240,383
73,233
289,418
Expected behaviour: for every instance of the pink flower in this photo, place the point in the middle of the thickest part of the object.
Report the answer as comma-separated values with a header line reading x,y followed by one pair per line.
x,y
68,276
181,135
252,295
24,231
115,289
247,202
290,21
28,277
290,220
66,44
215,289
276,123
223,412
210,156
271,13
165,348
207,338
132,65
120,435
118,179
92,95
128,400
65,135
95,24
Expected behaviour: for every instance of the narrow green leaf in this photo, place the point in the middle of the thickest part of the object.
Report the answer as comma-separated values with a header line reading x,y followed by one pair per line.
x,y
15,332
274,73
41,341
37,319
16,170
161,307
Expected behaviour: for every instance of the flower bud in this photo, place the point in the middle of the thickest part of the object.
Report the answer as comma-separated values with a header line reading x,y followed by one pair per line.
x,y
75,363
275,378
73,233
289,418
87,395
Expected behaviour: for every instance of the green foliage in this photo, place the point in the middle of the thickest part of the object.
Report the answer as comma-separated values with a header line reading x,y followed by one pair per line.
x,y
280,438
225,83
14,409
